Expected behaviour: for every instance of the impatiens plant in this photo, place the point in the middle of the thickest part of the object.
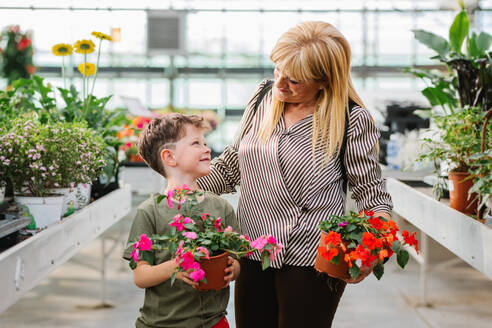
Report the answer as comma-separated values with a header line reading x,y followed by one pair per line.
x,y
192,238
364,240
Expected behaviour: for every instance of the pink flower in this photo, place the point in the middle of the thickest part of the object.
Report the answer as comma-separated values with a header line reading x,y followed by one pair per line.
x,y
170,195
245,237
197,275
187,220
259,243
188,260
271,240
204,251
190,235
144,244
228,229
134,254
177,222
217,224
204,216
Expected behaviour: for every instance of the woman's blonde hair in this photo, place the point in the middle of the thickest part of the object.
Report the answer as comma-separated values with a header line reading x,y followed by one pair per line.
x,y
316,51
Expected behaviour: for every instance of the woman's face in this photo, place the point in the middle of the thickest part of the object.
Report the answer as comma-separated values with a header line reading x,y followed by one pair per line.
x,y
291,91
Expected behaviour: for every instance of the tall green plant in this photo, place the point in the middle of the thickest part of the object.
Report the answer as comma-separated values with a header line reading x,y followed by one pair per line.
x,y
466,55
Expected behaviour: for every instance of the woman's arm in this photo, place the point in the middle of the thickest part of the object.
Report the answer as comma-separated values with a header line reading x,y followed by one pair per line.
x,y
363,169
224,175
146,275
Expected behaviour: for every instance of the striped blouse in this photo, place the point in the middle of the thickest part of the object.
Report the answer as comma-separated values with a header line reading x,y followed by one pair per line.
x,y
284,192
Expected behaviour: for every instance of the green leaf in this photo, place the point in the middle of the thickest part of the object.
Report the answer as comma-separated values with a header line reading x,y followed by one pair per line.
x,y
173,248
160,198
402,258
378,270
336,259
148,256
458,31
483,42
354,271
351,227
433,41
396,246
133,265
265,260
173,278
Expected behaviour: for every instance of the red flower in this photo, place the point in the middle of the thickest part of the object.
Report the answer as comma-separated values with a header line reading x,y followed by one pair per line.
x,y
376,223
328,254
333,238
410,239
23,44
370,241
369,213
31,69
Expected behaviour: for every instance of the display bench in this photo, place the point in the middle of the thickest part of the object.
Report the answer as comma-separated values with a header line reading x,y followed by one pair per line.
x,y
467,238
24,265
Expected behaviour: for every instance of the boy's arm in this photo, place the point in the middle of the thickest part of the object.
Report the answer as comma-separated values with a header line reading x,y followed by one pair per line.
x,y
146,275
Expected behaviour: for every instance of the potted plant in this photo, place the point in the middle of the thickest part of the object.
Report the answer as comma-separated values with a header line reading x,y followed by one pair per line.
x,y
350,242
39,157
201,243
464,94
456,140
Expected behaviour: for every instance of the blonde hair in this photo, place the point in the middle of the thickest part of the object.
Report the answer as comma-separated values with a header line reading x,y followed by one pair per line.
x,y
316,51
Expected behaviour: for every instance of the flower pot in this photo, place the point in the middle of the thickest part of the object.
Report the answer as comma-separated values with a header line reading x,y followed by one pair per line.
x,y
44,210
83,195
136,158
339,271
70,195
214,272
458,193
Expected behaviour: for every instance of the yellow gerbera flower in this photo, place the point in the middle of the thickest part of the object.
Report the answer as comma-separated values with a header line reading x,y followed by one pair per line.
x,y
102,36
62,49
84,47
87,69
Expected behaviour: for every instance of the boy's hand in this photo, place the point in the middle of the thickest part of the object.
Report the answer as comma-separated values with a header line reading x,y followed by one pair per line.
x,y
232,270
185,276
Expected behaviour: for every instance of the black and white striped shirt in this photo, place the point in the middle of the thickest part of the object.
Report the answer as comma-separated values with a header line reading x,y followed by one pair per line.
x,y
284,192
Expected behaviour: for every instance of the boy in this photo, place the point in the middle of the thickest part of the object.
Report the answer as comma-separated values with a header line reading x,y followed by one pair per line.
x,y
174,146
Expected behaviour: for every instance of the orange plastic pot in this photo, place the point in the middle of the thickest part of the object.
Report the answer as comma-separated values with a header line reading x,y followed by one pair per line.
x,y
214,272
339,271
458,193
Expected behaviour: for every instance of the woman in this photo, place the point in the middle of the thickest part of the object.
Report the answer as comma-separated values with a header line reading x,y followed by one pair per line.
x,y
286,157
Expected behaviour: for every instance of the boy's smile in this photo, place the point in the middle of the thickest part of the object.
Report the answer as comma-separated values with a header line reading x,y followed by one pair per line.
x,y
192,154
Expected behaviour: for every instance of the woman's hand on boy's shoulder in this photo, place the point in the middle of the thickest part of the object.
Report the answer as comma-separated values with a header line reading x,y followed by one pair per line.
x,y
232,270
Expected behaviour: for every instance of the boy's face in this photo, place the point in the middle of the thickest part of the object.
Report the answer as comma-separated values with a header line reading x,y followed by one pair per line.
x,y
192,154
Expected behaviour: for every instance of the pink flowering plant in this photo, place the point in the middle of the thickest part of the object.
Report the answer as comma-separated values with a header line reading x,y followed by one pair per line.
x,y
192,238
37,157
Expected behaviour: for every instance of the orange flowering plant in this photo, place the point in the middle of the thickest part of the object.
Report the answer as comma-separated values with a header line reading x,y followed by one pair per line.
x,y
129,135
364,240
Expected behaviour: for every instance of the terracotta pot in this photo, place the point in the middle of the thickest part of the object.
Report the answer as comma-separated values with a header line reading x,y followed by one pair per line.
x,y
321,264
340,270
136,158
214,272
458,193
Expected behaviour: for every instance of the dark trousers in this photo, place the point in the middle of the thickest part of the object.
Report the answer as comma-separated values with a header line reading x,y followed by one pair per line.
x,y
293,296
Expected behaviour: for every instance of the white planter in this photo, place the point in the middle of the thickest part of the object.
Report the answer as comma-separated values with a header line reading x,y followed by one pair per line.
x,y
83,196
2,193
70,196
44,210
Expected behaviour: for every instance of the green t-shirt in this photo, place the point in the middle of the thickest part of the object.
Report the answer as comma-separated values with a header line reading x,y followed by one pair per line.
x,y
179,306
